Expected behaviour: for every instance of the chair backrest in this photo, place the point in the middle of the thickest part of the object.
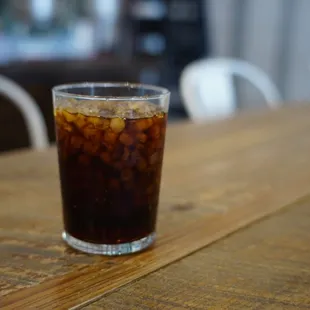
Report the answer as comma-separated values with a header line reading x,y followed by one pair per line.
x,y
208,91
31,113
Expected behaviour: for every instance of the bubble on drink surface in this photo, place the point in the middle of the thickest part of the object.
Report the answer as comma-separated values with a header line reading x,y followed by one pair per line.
x,y
110,109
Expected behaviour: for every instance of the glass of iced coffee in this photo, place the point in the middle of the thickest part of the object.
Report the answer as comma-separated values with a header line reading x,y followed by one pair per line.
x,y
110,139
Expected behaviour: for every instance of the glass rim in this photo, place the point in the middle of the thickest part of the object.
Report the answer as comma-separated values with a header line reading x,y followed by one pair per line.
x,y
60,90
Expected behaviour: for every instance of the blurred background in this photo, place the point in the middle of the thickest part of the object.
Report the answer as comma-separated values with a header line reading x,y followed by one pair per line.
x,y
48,42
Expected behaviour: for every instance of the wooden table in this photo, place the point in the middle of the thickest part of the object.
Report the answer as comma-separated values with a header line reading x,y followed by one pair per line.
x,y
218,179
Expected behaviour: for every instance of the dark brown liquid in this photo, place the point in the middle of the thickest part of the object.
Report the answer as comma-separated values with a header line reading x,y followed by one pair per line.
x,y
110,170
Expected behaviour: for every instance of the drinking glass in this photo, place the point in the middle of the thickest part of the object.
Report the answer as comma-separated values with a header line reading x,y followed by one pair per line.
x,y
110,139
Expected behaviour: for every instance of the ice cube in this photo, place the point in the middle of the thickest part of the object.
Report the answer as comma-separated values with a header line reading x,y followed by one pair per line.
x,y
126,139
117,124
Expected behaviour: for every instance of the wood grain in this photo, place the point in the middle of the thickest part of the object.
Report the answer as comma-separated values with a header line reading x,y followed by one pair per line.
x,y
265,266
217,178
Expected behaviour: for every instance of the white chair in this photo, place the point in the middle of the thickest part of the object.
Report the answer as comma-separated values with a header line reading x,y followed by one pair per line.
x,y
32,115
208,91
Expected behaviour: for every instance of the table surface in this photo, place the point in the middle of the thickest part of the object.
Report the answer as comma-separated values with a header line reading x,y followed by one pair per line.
x,y
232,229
